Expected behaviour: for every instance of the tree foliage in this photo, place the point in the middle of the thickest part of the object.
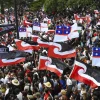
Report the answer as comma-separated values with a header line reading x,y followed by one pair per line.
x,y
75,5
36,5
50,6
61,5
80,3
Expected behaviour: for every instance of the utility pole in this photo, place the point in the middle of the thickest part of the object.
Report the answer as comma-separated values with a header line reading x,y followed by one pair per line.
x,y
16,18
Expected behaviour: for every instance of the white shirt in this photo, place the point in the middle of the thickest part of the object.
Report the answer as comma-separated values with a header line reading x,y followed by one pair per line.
x,y
19,96
68,81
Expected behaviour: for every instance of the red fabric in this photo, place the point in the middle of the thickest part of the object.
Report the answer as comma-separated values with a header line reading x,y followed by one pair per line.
x,y
27,71
95,34
10,33
0,29
30,79
46,96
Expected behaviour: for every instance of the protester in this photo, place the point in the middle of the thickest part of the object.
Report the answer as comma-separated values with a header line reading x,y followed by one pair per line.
x,y
23,81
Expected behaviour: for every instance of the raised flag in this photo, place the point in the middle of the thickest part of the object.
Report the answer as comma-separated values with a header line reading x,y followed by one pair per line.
x,y
96,56
74,32
7,62
64,33
43,44
86,74
34,45
6,28
22,32
23,46
4,49
36,26
52,64
61,34
13,54
25,32
44,27
61,50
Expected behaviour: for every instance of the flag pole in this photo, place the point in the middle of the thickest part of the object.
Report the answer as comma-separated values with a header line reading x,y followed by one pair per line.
x,y
16,18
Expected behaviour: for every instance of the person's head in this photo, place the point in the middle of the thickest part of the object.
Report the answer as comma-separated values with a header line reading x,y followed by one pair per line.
x,y
63,92
71,97
75,91
49,98
47,85
82,86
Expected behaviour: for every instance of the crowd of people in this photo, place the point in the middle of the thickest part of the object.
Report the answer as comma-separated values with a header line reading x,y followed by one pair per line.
x,y
25,82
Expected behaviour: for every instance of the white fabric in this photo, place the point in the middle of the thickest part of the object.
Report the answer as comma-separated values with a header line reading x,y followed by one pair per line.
x,y
26,65
96,61
10,48
79,86
68,81
19,96
60,38
7,91
26,88
40,86
36,28
44,27
6,79
44,79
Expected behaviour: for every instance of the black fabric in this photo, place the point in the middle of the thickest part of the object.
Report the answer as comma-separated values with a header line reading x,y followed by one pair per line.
x,y
7,29
92,71
31,42
65,46
3,49
7,25
13,54
59,64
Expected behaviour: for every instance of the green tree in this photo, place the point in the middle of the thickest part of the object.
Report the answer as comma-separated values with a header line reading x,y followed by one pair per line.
x,y
79,4
61,5
75,5
50,6
36,5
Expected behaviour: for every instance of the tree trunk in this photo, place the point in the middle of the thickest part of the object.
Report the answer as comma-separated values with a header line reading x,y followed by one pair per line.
x,y
2,7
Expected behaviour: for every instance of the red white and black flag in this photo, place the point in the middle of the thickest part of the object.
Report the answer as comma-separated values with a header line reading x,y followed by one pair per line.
x,y
21,45
13,54
43,44
86,74
7,62
52,64
35,45
61,50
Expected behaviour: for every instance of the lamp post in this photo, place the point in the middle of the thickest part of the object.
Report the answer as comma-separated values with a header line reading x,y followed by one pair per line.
x,y
16,18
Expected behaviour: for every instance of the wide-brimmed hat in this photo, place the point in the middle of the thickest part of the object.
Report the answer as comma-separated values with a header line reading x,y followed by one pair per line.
x,y
63,92
36,95
15,82
47,84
